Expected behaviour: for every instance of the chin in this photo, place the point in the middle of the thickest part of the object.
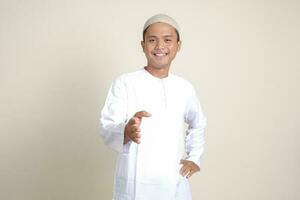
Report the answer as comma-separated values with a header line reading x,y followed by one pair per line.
x,y
160,65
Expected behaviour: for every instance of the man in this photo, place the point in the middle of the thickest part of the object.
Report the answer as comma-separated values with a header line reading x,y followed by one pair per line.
x,y
144,119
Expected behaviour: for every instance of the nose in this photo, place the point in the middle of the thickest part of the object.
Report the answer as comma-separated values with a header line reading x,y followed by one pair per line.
x,y
159,44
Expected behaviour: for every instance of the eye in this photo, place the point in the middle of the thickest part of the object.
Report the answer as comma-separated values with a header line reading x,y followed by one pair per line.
x,y
151,40
168,40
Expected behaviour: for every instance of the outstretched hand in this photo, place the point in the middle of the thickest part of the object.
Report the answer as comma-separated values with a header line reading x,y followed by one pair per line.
x,y
188,168
132,128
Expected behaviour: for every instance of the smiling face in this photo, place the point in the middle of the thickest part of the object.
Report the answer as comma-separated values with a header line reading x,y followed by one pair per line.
x,y
160,45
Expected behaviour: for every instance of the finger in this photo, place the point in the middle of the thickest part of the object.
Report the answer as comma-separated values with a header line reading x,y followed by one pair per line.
x,y
191,173
183,168
142,114
135,121
136,129
136,135
132,121
194,166
197,168
186,171
136,140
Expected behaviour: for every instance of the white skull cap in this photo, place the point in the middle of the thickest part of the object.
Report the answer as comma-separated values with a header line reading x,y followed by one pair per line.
x,y
161,18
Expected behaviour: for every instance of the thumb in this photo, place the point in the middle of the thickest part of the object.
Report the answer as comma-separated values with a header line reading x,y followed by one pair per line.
x,y
141,114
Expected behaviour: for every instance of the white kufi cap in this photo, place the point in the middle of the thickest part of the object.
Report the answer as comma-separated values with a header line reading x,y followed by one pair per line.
x,y
161,18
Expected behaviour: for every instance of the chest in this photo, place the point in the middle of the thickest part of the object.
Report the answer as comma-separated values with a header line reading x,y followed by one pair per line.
x,y
157,96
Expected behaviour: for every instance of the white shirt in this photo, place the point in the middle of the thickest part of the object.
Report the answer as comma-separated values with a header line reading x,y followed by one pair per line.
x,y
150,170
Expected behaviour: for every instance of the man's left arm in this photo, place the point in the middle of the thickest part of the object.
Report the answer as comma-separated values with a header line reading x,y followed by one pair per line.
x,y
194,136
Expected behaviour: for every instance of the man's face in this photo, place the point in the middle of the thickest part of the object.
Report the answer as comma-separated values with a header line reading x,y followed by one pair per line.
x,y
160,45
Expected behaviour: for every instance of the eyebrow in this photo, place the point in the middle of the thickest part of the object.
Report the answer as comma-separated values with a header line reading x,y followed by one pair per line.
x,y
153,36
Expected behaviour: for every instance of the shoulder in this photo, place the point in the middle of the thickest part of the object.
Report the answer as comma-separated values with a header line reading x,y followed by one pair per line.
x,y
125,79
128,77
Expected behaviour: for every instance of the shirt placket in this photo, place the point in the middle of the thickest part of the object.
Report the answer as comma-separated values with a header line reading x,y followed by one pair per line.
x,y
164,92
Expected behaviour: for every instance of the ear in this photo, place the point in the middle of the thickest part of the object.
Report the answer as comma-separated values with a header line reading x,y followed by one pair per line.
x,y
143,45
179,45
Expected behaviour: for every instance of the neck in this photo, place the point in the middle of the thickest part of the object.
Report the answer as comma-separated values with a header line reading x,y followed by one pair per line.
x,y
158,72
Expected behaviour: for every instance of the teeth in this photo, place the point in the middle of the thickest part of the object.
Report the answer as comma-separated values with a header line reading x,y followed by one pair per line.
x,y
160,54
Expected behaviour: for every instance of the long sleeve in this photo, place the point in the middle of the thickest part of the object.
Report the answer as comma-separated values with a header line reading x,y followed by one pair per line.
x,y
195,133
114,116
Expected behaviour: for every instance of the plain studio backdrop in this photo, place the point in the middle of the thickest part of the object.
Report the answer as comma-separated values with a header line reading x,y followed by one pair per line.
x,y
59,57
